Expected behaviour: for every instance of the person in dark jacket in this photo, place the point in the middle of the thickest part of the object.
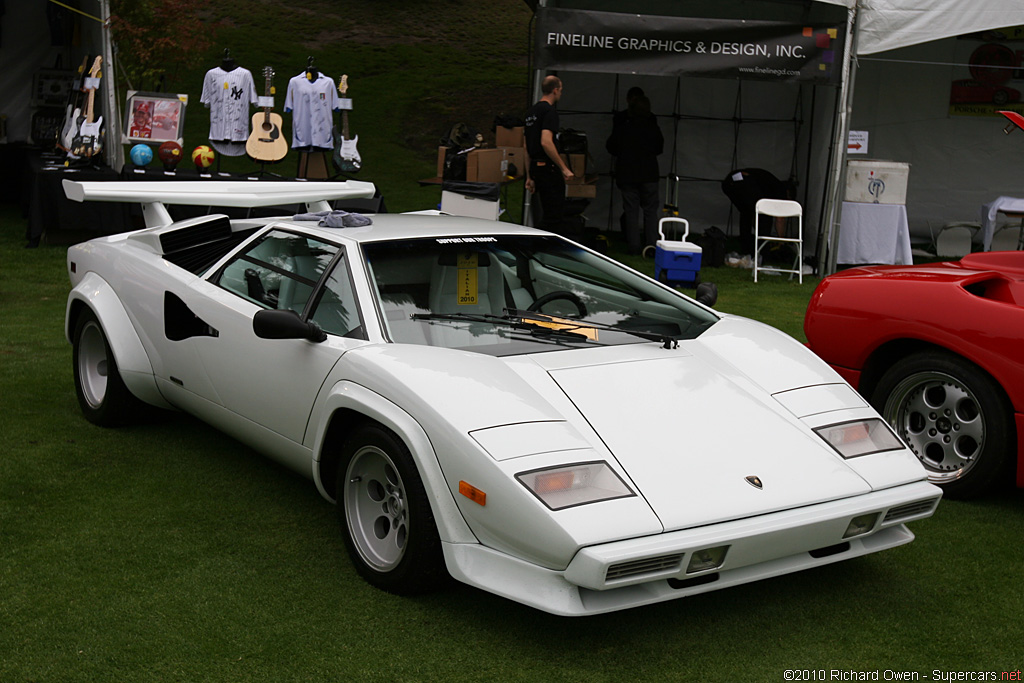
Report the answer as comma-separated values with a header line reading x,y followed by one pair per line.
x,y
635,142
744,187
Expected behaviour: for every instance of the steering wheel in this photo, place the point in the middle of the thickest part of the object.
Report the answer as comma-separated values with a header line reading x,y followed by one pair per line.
x,y
561,295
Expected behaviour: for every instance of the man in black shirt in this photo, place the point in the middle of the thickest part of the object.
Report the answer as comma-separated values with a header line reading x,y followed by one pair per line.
x,y
635,142
547,172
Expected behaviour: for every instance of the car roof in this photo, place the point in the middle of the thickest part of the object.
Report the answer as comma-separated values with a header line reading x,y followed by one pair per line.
x,y
391,226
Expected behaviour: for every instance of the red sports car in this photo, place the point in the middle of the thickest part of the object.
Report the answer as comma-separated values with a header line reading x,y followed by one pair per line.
x,y
938,350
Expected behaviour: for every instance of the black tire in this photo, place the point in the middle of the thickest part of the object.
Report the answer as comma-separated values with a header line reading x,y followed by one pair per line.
x,y
954,417
102,394
386,520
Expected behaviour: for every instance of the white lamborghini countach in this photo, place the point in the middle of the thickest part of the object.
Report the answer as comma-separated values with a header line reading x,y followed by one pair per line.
x,y
486,401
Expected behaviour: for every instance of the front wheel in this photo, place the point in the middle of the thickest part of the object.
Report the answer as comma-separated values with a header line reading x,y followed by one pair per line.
x,y
954,417
102,394
386,519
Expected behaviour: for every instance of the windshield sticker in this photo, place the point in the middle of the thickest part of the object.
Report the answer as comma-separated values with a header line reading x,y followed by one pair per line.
x,y
464,240
469,291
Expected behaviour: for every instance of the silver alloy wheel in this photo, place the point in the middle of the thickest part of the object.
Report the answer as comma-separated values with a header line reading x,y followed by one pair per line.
x,y
93,364
375,508
941,420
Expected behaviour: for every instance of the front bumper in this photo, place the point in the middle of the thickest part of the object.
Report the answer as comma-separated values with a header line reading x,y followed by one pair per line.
x,y
634,572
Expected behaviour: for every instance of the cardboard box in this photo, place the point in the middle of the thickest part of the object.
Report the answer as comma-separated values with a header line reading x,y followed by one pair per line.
x,y
873,181
441,152
509,137
516,157
474,207
587,188
577,163
486,166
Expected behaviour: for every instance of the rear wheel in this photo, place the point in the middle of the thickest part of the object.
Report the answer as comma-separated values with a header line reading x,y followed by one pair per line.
x,y
954,417
386,519
102,394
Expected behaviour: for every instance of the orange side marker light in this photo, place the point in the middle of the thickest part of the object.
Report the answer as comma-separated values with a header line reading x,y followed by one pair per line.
x,y
473,493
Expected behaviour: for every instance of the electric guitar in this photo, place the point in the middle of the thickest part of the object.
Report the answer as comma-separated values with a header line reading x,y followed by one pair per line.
x,y
266,144
346,156
87,140
74,110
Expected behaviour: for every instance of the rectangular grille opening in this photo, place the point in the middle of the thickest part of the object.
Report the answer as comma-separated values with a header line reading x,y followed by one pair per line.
x,y
909,510
647,565
695,581
819,553
216,228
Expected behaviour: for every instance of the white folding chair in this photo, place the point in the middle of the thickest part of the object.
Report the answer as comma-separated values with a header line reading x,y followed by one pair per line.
x,y
1008,238
778,208
954,240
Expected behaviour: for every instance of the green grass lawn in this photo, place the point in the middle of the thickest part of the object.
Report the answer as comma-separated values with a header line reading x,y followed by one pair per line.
x,y
169,552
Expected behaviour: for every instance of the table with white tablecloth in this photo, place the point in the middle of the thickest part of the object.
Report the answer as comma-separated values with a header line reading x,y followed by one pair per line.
x,y
874,233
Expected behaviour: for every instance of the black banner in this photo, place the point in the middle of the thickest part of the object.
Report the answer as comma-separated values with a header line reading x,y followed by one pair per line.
x,y
613,42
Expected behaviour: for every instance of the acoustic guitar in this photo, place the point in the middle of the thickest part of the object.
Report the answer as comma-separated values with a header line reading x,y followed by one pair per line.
x,y
266,144
346,156
87,140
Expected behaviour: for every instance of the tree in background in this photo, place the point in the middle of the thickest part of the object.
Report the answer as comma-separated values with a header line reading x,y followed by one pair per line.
x,y
156,39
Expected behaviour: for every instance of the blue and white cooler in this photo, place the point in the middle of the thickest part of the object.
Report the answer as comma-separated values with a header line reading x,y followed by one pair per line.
x,y
676,260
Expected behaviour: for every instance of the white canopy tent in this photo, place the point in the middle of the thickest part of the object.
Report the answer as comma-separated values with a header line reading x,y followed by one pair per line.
x,y
38,41
872,26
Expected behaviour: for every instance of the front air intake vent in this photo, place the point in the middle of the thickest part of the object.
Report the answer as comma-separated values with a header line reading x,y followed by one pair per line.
x,y
909,510
647,565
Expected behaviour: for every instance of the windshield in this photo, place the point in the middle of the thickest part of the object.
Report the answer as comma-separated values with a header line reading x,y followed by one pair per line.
x,y
511,294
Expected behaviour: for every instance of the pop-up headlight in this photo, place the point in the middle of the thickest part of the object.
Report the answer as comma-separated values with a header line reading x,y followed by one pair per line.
x,y
568,485
860,437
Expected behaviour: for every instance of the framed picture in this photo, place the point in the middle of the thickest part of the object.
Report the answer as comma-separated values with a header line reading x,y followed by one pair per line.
x,y
155,117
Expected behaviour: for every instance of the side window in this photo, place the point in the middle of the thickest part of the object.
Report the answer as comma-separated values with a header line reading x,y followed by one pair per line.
x,y
279,271
336,311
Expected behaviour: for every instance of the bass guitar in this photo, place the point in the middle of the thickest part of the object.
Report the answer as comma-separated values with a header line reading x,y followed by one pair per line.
x,y
87,140
346,156
74,110
266,144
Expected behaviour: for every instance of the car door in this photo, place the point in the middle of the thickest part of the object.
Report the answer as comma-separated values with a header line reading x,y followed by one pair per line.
x,y
274,382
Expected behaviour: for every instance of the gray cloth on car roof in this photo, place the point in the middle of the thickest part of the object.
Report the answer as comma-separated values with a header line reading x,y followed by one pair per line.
x,y
335,219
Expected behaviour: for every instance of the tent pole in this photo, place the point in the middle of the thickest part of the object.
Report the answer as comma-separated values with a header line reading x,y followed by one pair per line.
x,y
527,213
837,170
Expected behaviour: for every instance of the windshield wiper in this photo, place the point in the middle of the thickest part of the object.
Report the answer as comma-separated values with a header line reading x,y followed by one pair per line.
x,y
516,322
540,324
567,325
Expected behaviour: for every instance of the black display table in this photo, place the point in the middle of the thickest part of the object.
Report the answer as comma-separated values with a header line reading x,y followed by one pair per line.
x,y
54,218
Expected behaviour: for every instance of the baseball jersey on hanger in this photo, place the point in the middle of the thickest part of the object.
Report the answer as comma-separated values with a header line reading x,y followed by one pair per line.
x,y
312,104
228,95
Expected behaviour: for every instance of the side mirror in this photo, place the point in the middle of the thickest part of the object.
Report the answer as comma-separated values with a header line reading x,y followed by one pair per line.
x,y
707,294
285,324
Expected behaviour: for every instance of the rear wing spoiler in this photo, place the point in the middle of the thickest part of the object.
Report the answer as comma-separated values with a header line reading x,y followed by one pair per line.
x,y
235,193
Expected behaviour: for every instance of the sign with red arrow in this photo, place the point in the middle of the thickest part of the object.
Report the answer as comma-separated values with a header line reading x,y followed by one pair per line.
x,y
857,143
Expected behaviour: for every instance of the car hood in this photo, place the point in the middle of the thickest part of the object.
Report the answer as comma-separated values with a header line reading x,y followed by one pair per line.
x,y
687,426
697,432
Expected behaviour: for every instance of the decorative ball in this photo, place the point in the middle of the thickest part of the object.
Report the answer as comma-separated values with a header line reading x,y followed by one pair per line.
x,y
141,154
170,154
202,156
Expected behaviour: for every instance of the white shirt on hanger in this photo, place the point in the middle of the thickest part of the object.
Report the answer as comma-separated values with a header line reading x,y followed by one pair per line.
x,y
312,104
228,95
